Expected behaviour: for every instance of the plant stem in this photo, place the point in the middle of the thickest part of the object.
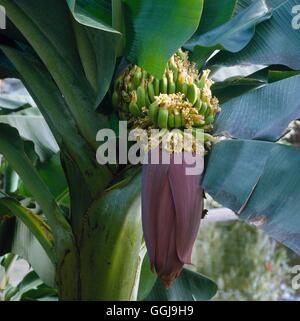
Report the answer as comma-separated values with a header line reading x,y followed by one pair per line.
x,y
111,244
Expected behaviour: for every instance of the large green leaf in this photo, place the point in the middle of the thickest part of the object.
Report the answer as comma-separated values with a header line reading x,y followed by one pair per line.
x,y
41,15
215,13
95,13
277,75
51,172
221,74
157,28
43,90
263,113
12,36
16,237
233,35
275,42
97,42
233,88
16,152
28,247
30,281
241,77
48,27
190,286
33,127
12,33
41,293
259,181
30,288
16,102
38,227
242,4
55,111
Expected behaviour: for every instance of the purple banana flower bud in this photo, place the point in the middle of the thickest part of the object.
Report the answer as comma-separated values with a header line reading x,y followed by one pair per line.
x,y
172,206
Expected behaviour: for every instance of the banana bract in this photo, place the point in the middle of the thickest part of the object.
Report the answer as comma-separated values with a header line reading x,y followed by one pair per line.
x,y
181,99
172,206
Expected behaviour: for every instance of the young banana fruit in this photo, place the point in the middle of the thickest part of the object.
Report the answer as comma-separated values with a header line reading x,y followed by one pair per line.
x,y
137,94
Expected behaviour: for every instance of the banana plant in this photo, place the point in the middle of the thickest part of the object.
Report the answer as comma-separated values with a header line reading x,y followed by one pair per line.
x,y
79,222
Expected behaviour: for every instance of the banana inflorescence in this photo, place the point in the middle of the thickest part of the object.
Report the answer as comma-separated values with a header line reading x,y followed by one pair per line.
x,y
181,99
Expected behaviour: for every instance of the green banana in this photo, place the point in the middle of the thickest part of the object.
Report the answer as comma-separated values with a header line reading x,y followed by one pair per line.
x,y
203,109
177,119
171,84
136,92
198,104
134,109
175,72
208,111
171,62
131,86
153,113
163,86
180,81
178,86
163,116
137,78
156,84
184,89
183,121
171,88
171,121
192,93
141,96
209,120
174,69
201,83
147,99
151,92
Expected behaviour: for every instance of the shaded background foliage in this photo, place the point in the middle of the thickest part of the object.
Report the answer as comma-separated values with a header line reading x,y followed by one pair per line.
x,y
245,263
